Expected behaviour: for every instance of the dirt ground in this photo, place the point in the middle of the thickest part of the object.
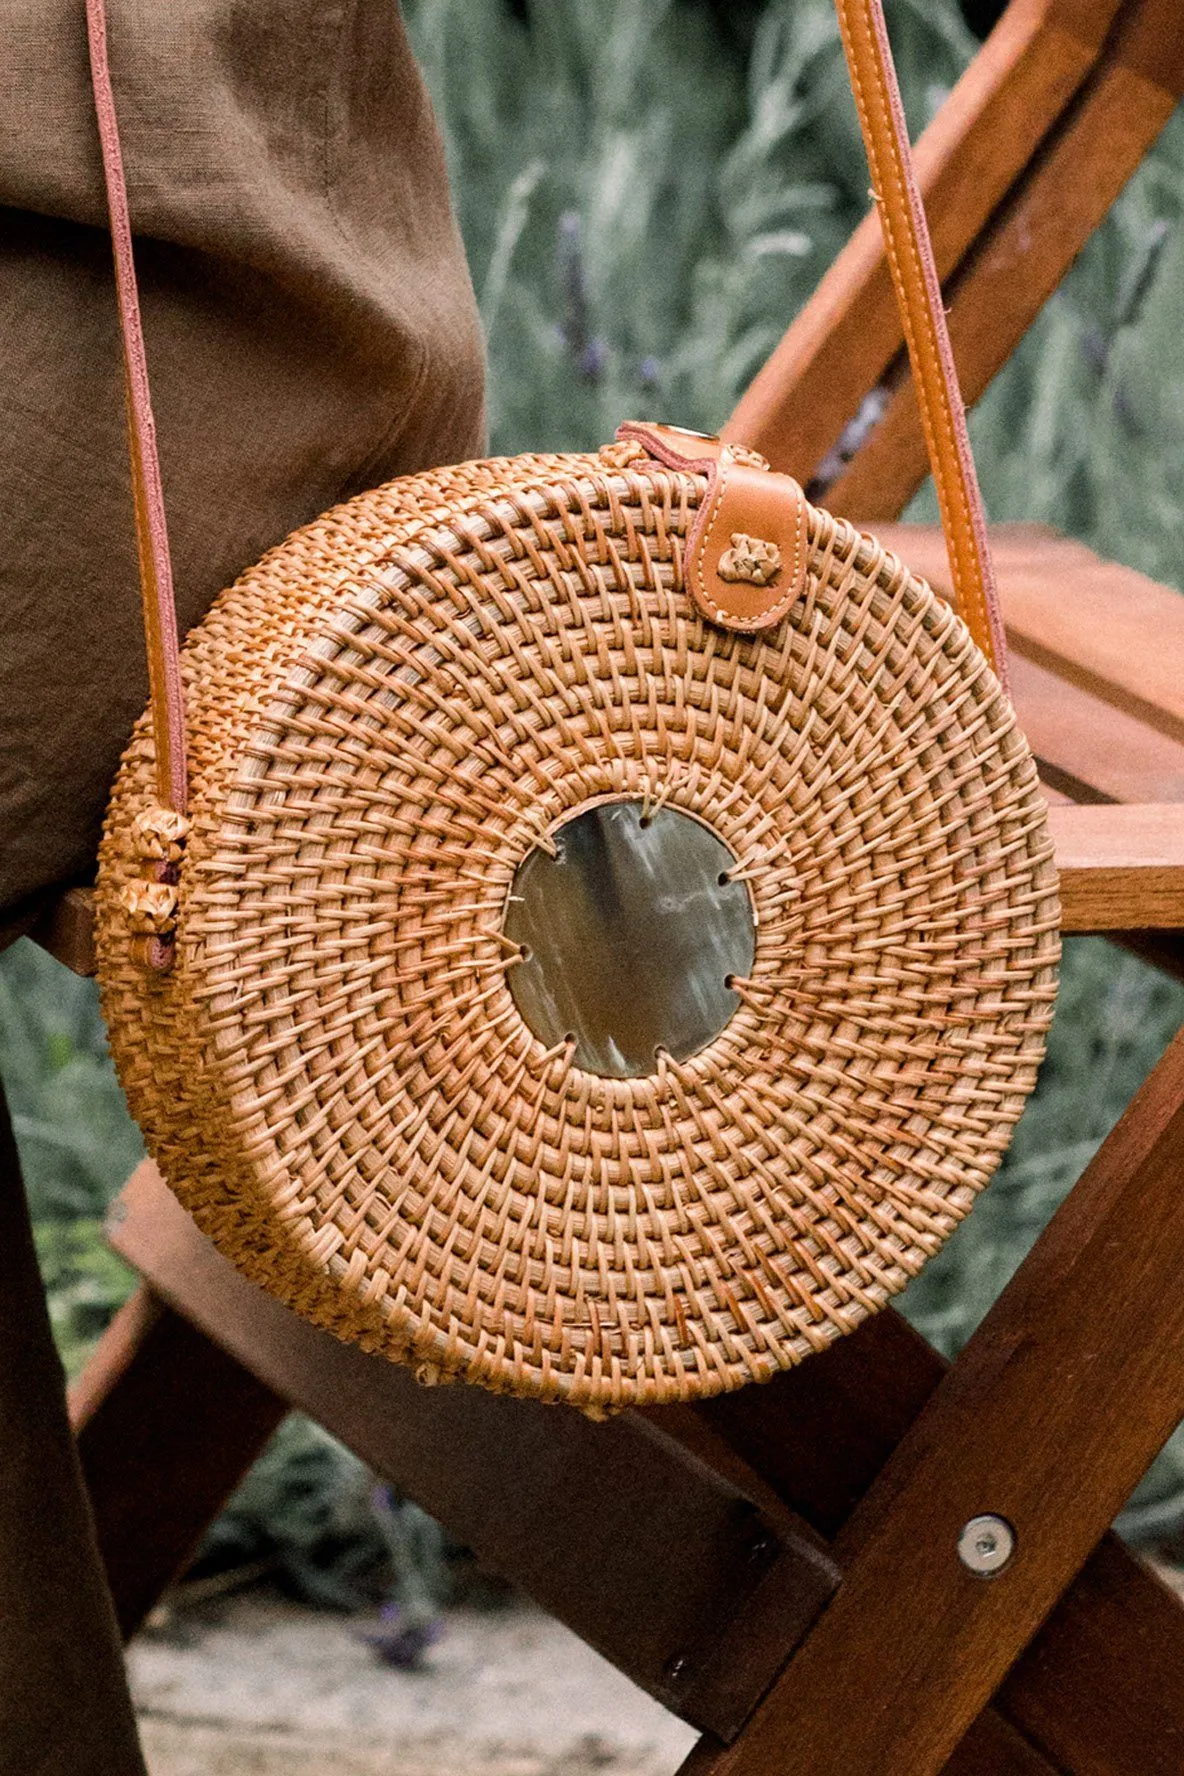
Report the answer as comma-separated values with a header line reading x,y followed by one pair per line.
x,y
260,1687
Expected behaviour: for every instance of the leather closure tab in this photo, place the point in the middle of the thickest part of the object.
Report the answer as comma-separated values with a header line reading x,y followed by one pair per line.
x,y
745,558
745,562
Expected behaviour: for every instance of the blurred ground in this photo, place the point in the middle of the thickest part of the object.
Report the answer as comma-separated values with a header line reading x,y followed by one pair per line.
x,y
258,1686
263,1687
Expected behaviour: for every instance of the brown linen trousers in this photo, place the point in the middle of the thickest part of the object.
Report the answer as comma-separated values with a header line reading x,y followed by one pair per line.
x,y
310,328
311,331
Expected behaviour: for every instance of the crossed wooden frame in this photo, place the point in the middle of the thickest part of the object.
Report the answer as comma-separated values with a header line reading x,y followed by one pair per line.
x,y
779,1566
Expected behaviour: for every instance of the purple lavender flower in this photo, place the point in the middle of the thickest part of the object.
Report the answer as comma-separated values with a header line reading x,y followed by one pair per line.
x,y
399,1640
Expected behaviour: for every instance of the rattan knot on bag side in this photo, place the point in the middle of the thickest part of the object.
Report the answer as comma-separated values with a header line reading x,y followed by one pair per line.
x,y
385,716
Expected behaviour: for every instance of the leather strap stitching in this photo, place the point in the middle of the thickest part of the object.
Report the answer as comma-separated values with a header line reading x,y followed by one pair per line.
x,y
696,550
156,577
918,291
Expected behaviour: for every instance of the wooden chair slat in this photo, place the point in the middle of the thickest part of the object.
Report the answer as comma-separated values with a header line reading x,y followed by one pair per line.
x,y
67,930
1121,868
1105,627
844,340
1030,244
1088,750
914,1644
1110,630
1102,627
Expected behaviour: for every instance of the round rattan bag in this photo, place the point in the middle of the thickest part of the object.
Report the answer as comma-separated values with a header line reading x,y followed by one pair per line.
x,y
389,718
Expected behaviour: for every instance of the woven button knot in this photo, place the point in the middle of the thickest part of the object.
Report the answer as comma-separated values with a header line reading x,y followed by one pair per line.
x,y
159,835
751,459
151,907
751,560
622,453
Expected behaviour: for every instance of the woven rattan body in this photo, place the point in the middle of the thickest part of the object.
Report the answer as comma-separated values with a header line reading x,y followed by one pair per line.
x,y
385,716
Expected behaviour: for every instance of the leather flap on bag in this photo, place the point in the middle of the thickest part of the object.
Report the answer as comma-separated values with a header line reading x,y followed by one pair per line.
x,y
745,557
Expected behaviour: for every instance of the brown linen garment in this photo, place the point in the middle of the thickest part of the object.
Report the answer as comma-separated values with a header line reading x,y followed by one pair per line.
x,y
310,328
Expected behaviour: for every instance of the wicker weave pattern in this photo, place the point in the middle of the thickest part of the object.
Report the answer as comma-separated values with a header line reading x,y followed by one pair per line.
x,y
385,716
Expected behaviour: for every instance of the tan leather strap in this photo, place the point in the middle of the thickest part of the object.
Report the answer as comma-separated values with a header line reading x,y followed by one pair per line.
x,y
156,574
918,293
151,902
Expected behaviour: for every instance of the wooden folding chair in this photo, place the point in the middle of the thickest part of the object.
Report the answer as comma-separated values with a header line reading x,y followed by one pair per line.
x,y
782,1566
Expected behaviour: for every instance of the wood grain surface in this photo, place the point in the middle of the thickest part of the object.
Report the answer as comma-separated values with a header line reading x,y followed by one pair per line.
x,y
982,140
1084,1350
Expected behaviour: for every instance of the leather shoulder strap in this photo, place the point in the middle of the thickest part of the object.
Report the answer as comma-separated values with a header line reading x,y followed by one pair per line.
x,y
156,573
918,293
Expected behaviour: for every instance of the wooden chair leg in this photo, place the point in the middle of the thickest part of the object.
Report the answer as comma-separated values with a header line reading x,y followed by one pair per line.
x,y
1048,1419
993,1747
818,1437
167,1424
1102,1685
687,1573
64,1704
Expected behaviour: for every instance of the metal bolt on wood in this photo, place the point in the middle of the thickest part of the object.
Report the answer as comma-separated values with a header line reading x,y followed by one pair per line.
x,y
986,1544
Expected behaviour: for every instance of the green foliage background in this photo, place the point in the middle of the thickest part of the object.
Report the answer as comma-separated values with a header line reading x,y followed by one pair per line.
x,y
648,190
